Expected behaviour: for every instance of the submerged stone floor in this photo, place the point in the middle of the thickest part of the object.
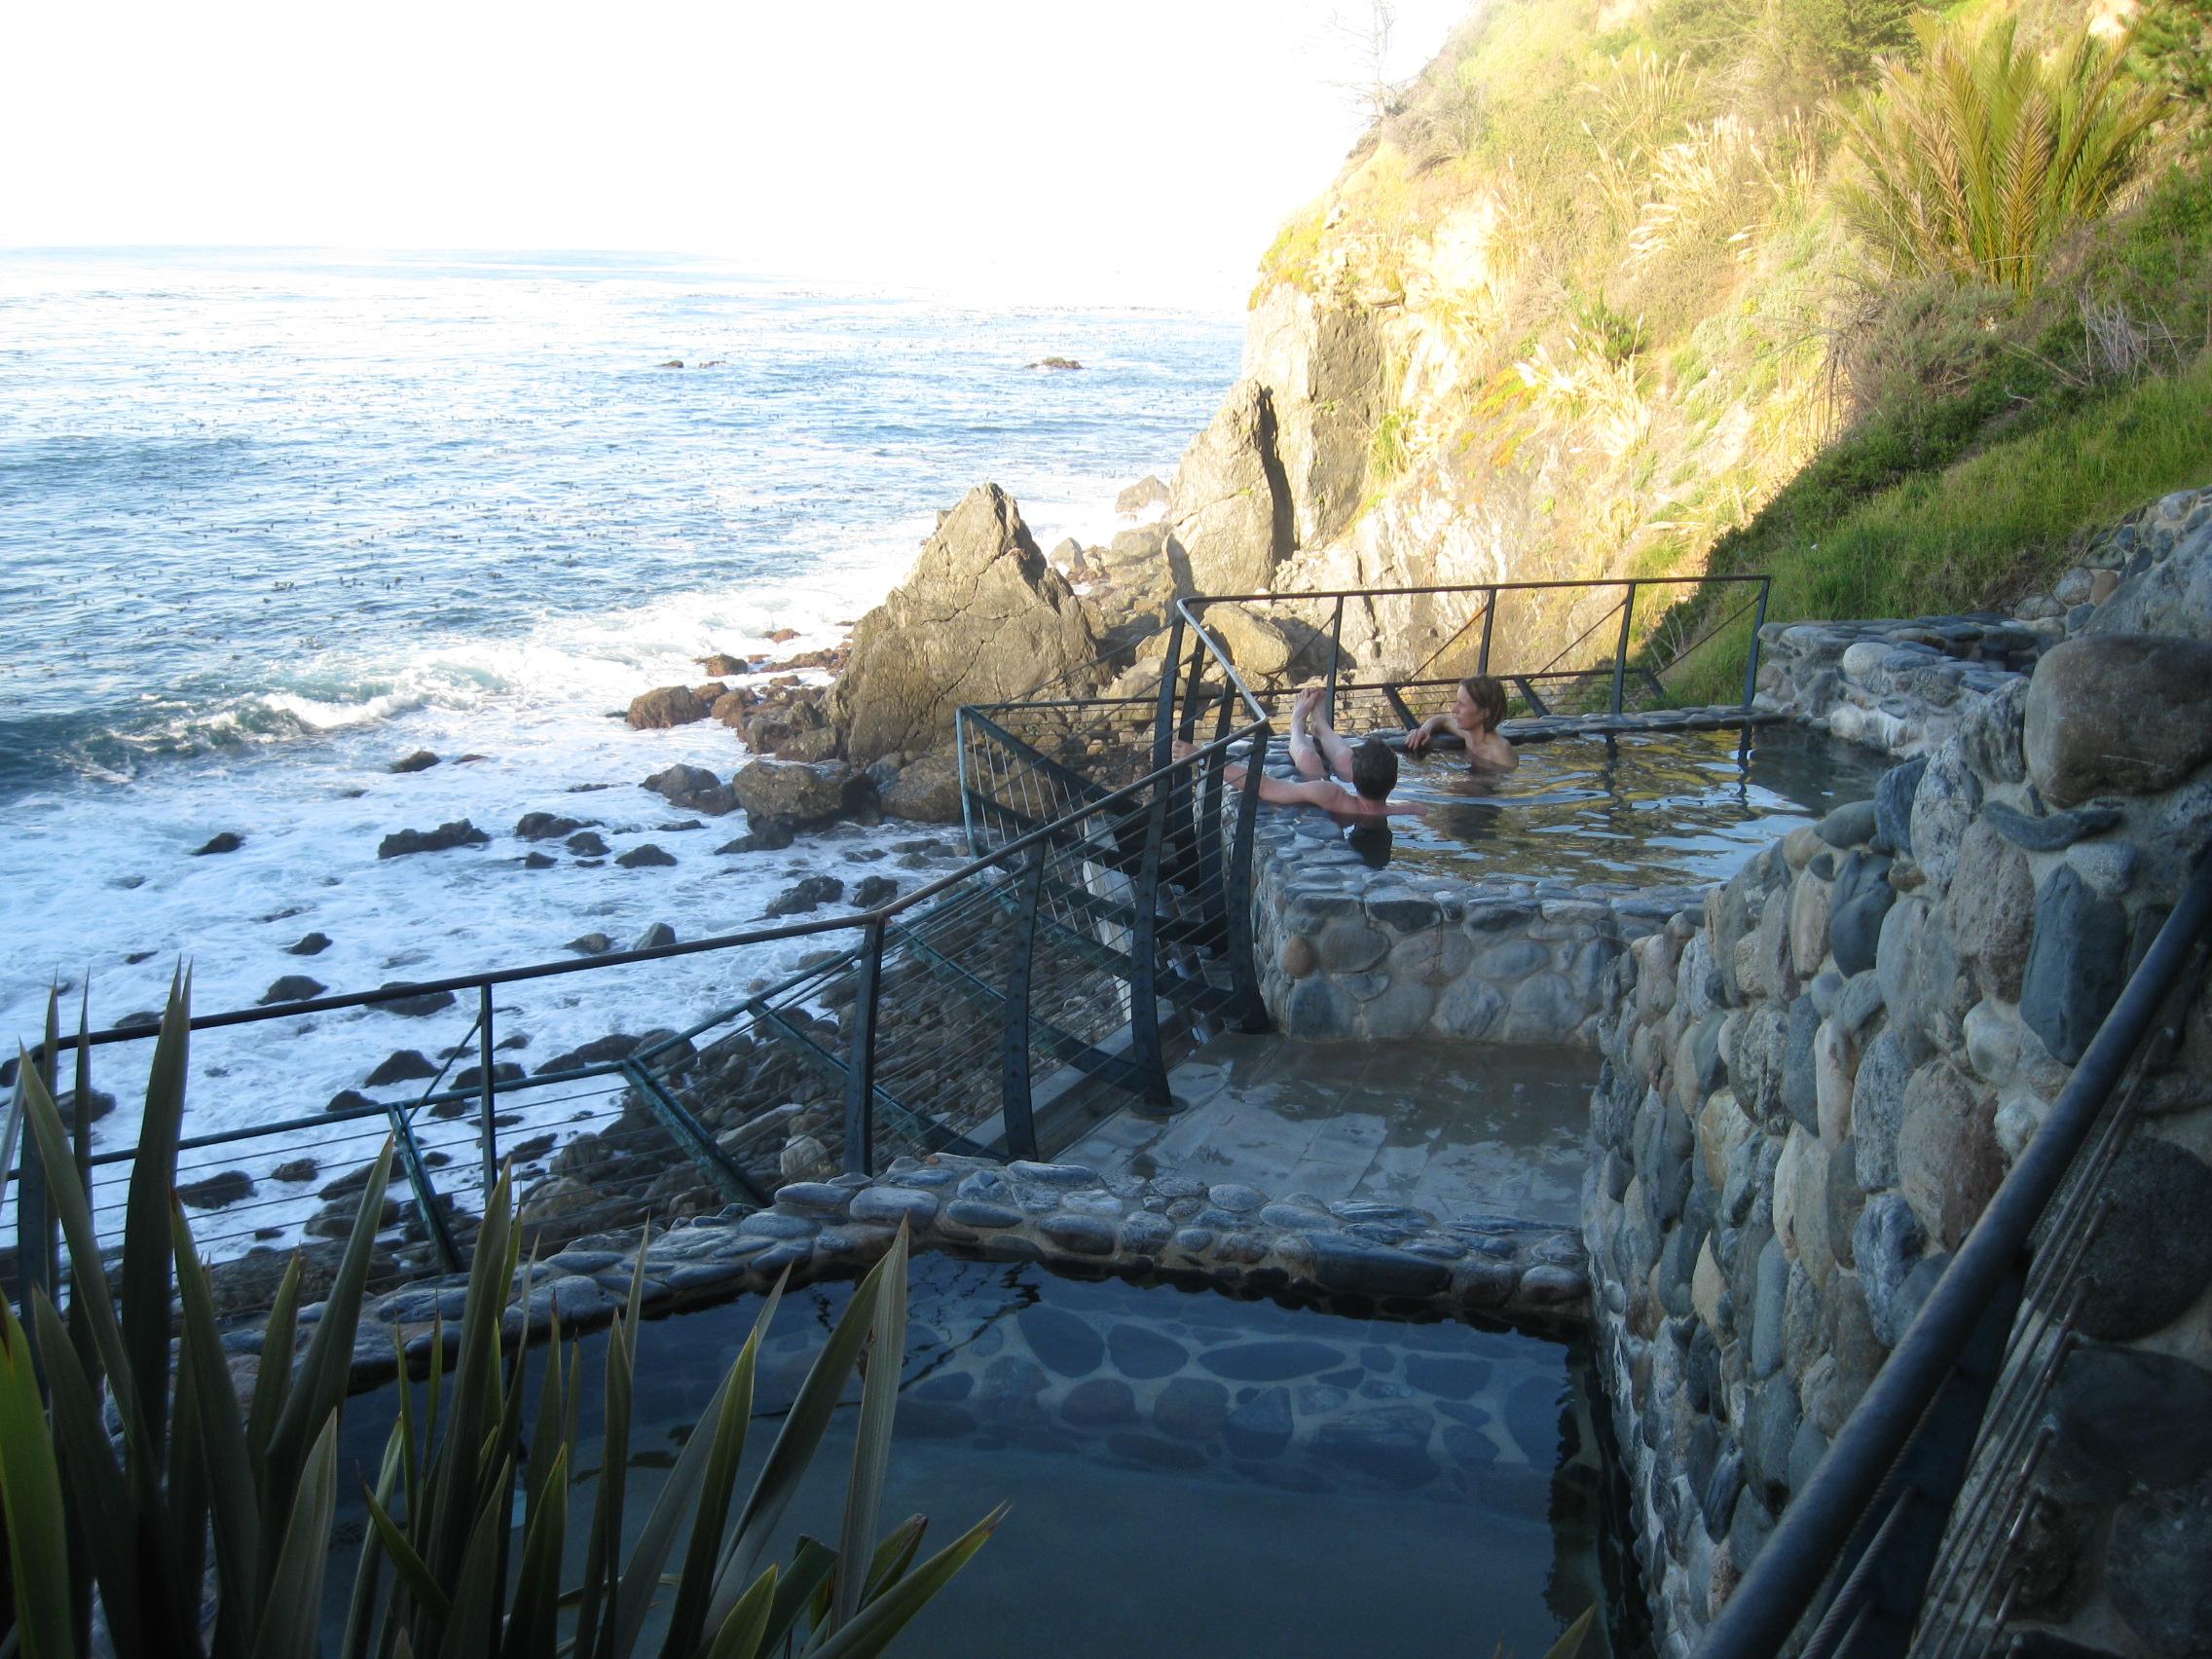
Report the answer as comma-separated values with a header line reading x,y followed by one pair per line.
x,y
1454,1129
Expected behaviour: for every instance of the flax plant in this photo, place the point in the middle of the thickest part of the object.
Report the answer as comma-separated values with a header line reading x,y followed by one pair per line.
x,y
133,1485
1976,159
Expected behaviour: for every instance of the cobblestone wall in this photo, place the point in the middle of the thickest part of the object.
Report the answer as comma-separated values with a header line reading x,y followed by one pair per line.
x,y
1348,951
1817,1077
1902,687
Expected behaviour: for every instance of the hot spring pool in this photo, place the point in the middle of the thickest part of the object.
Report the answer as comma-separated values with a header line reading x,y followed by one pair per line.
x,y
1190,1474
1668,808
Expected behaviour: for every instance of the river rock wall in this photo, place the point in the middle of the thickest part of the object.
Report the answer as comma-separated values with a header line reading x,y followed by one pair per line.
x,y
1817,1078
1902,687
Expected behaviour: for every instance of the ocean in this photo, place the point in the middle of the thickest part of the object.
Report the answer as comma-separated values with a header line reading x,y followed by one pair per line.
x,y
272,521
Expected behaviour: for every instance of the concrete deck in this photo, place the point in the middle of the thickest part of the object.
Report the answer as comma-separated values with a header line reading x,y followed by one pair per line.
x,y
1458,1129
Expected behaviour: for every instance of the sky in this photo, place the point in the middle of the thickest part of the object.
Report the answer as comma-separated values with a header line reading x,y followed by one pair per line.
x,y
1140,152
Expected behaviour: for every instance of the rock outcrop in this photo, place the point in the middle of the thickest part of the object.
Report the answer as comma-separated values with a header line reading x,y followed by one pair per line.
x,y
981,619
793,794
1231,512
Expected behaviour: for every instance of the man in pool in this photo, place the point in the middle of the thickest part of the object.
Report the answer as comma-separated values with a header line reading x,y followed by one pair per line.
x,y
1371,766
1477,711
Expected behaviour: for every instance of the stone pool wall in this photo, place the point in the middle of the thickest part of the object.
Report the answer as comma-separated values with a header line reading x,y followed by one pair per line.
x,y
1346,951
1352,1255
1817,1077
1902,687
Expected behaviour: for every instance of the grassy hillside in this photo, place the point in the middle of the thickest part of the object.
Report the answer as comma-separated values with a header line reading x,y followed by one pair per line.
x,y
1636,321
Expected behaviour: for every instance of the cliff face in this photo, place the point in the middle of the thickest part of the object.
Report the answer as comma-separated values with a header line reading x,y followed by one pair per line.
x,y
1583,305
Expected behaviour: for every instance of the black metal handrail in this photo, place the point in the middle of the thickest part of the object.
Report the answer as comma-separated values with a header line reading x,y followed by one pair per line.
x,y
1830,1529
1621,661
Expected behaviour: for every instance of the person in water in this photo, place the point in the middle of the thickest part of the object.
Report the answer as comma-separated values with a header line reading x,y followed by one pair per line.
x,y
1477,711
1370,766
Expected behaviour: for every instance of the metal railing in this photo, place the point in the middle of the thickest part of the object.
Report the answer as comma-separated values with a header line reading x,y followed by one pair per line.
x,y
1901,1540
1102,924
1559,647
1091,926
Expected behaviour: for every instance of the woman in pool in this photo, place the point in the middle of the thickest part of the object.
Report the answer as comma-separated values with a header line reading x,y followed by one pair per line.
x,y
1476,714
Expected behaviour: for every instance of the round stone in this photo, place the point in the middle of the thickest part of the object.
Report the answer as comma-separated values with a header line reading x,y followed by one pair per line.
x,y
2159,1567
1190,1408
1274,1360
1141,1353
1061,1343
1103,1402
1949,1161
2152,1258
1299,957
1388,1445
1261,1427
2125,714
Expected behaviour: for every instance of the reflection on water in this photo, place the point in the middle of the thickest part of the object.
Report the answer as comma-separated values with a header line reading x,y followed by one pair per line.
x,y
1678,807
1190,1474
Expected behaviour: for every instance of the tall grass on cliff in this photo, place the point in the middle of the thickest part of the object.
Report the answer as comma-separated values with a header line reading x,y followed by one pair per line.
x,y
1975,161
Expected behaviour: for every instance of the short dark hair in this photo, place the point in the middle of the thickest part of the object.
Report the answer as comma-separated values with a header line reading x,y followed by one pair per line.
x,y
1374,768
1489,696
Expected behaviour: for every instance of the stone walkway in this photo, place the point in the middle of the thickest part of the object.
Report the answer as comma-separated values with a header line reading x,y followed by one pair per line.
x,y
1453,1129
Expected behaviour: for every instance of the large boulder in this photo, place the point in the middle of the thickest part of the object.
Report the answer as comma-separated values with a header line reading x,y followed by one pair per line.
x,y
693,789
927,791
2125,714
795,794
668,705
1231,509
1322,365
981,619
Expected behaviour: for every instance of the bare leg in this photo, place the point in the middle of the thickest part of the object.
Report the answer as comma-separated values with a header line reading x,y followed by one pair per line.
x,y
1302,756
1334,751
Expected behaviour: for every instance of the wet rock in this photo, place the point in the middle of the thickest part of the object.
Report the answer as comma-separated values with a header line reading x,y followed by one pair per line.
x,y
1103,1402
421,760
353,1099
586,844
809,894
402,1065
795,794
925,790
1269,1360
1063,1344
873,890
445,836
1849,826
419,1006
228,841
1080,1235
1190,1408
667,706
654,936
590,944
645,857
310,945
2126,714
215,1191
292,987
694,789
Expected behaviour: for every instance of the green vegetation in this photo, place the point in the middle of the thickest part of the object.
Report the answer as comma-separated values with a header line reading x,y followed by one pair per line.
x,y
1705,282
1979,157
436,1573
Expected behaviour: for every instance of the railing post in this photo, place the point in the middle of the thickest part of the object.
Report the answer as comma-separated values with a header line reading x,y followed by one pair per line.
x,y
860,1066
1145,1051
1751,664
1014,1106
1250,1007
1163,725
1490,620
1336,654
486,1117
1620,649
